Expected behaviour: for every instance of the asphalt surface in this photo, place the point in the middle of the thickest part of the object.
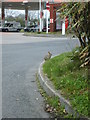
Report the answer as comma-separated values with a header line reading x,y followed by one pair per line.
x,y
21,57
0,78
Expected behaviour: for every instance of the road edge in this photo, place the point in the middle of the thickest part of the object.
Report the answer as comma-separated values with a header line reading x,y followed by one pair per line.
x,y
50,90
50,35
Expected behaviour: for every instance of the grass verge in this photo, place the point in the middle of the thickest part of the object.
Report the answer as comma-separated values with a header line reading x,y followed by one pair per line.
x,y
50,33
52,104
70,79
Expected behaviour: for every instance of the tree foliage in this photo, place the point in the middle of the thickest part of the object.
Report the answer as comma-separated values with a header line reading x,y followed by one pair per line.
x,y
79,17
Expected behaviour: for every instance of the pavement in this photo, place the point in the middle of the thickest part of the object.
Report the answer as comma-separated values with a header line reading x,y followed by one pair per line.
x,y
21,57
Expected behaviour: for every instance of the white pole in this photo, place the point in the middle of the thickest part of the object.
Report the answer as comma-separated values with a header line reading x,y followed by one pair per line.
x,y
40,16
47,22
63,27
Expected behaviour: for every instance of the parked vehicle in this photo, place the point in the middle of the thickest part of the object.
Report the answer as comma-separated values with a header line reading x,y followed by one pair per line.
x,y
12,27
0,23
35,28
45,28
0,27
28,29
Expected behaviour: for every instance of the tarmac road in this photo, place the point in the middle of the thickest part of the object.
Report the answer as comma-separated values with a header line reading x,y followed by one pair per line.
x,y
21,57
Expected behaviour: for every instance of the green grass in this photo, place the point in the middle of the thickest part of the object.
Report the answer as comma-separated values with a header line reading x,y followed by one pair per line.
x,y
54,103
70,79
59,33
22,30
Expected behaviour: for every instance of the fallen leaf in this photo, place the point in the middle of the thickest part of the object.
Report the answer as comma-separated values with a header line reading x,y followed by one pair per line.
x,y
64,111
47,106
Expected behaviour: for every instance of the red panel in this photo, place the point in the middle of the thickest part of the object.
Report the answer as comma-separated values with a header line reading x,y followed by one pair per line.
x,y
47,6
25,17
66,23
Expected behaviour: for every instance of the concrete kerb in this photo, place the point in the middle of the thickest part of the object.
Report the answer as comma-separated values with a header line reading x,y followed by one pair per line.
x,y
41,35
51,91
49,35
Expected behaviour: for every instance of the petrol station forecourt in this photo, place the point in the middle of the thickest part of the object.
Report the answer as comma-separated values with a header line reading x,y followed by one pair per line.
x,y
50,7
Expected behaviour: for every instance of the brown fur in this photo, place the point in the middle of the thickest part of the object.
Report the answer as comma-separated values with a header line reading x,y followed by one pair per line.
x,y
47,57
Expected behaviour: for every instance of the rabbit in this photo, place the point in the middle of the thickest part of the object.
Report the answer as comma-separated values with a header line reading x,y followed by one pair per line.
x,y
47,57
